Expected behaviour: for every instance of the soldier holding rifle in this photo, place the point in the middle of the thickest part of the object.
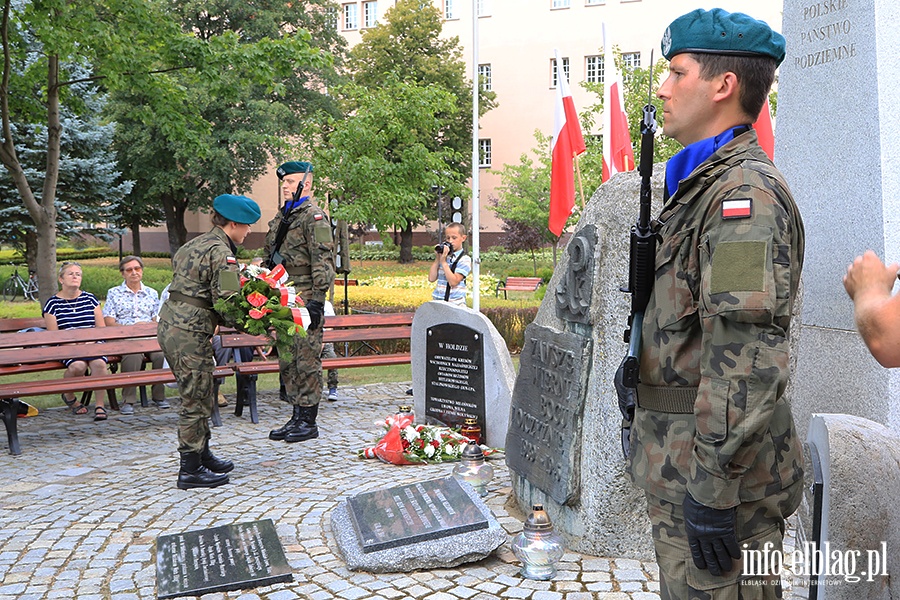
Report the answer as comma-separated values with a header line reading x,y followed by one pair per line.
x,y
712,442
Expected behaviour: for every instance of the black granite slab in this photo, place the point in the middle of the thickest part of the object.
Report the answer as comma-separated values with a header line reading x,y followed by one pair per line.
x,y
413,513
454,375
220,559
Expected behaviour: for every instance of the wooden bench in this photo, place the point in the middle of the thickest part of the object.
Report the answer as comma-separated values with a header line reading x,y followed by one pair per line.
x,y
45,350
14,325
348,282
518,284
362,328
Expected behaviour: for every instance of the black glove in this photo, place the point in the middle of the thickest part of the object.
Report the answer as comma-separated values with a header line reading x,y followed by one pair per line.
x,y
316,313
627,402
711,535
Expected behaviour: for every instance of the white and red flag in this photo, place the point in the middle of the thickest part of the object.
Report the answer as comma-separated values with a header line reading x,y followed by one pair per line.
x,y
618,155
566,145
763,127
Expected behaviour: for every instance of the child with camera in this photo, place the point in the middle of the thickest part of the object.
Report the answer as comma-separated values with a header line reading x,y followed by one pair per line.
x,y
451,266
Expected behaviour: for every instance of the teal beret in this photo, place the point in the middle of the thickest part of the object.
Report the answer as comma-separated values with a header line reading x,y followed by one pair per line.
x,y
239,209
720,32
295,166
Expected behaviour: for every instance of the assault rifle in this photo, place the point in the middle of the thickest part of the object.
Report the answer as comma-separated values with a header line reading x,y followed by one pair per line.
x,y
275,258
640,276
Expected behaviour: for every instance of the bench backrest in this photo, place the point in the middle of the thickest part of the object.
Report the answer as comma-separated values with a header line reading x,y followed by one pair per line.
x,y
42,346
13,325
524,281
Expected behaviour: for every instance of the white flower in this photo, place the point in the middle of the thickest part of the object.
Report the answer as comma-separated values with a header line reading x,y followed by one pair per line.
x,y
409,433
429,450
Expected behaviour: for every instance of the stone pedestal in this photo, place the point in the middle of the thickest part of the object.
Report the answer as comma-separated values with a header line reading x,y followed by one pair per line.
x,y
836,143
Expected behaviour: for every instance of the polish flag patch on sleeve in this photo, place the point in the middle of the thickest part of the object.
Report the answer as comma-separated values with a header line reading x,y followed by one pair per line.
x,y
318,216
736,209
231,260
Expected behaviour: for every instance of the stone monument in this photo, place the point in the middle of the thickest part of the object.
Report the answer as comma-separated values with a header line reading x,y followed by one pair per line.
x,y
563,447
461,368
431,524
860,525
836,143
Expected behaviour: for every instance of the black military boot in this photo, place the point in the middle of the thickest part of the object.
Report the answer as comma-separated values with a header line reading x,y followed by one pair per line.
x,y
306,428
278,434
194,475
214,463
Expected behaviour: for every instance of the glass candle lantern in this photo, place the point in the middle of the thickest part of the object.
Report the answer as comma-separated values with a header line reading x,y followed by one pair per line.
x,y
538,546
473,470
471,430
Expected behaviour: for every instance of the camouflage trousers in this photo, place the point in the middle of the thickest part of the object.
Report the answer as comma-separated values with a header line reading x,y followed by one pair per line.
x,y
190,356
328,352
302,375
758,523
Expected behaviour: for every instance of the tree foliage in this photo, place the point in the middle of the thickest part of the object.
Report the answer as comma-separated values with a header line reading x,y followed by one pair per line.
x,y
378,164
282,60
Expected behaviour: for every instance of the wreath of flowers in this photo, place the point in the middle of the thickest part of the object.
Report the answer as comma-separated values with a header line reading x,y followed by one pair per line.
x,y
266,305
405,443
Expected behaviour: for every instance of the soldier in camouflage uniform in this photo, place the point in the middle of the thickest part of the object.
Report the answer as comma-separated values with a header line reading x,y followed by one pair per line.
x,y
713,443
308,256
204,270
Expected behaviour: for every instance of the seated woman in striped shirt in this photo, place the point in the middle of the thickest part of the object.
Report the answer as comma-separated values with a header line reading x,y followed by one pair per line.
x,y
72,308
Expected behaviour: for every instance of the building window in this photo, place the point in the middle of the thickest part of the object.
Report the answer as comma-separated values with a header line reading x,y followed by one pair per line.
x,y
484,77
560,3
483,8
553,71
450,9
351,16
631,60
594,69
594,2
484,153
370,14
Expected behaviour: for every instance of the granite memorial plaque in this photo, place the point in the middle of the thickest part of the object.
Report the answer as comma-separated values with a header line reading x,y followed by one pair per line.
x,y
454,375
413,513
544,438
220,559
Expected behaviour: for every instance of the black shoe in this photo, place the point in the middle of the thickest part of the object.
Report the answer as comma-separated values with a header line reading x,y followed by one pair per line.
x,y
409,392
194,475
278,434
306,428
213,463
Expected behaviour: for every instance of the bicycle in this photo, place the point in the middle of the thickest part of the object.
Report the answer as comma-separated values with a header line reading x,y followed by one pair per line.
x,y
16,285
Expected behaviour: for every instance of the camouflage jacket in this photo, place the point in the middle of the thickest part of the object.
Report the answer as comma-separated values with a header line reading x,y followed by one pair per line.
x,y
308,250
712,416
195,273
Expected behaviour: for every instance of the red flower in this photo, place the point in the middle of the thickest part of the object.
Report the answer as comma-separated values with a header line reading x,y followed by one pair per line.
x,y
421,443
436,443
258,314
256,299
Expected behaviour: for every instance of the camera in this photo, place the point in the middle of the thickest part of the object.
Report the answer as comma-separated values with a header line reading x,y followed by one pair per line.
x,y
440,247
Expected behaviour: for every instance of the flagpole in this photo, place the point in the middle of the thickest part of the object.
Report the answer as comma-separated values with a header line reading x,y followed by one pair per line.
x,y
476,201
580,187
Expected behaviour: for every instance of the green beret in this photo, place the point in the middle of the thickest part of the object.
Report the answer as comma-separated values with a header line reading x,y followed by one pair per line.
x,y
295,166
239,209
721,32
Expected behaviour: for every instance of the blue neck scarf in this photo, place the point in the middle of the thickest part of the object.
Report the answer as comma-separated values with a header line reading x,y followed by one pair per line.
x,y
290,206
683,164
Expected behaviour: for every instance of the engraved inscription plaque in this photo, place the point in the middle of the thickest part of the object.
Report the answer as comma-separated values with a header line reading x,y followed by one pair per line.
x,y
544,438
220,559
454,375
413,513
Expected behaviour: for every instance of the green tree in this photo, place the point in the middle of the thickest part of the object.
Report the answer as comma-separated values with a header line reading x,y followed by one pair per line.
x,y
408,46
378,163
244,121
133,47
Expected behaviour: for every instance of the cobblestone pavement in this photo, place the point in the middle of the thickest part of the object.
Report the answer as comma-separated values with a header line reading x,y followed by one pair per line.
x,y
82,506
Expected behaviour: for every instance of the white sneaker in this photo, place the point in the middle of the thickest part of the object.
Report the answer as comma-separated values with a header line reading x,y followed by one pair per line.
x,y
332,394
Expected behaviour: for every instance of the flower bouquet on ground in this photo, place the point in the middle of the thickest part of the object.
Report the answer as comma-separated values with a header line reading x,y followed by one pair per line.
x,y
405,443
266,305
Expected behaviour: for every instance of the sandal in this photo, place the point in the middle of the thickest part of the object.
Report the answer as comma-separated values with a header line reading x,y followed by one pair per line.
x,y
99,413
75,406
